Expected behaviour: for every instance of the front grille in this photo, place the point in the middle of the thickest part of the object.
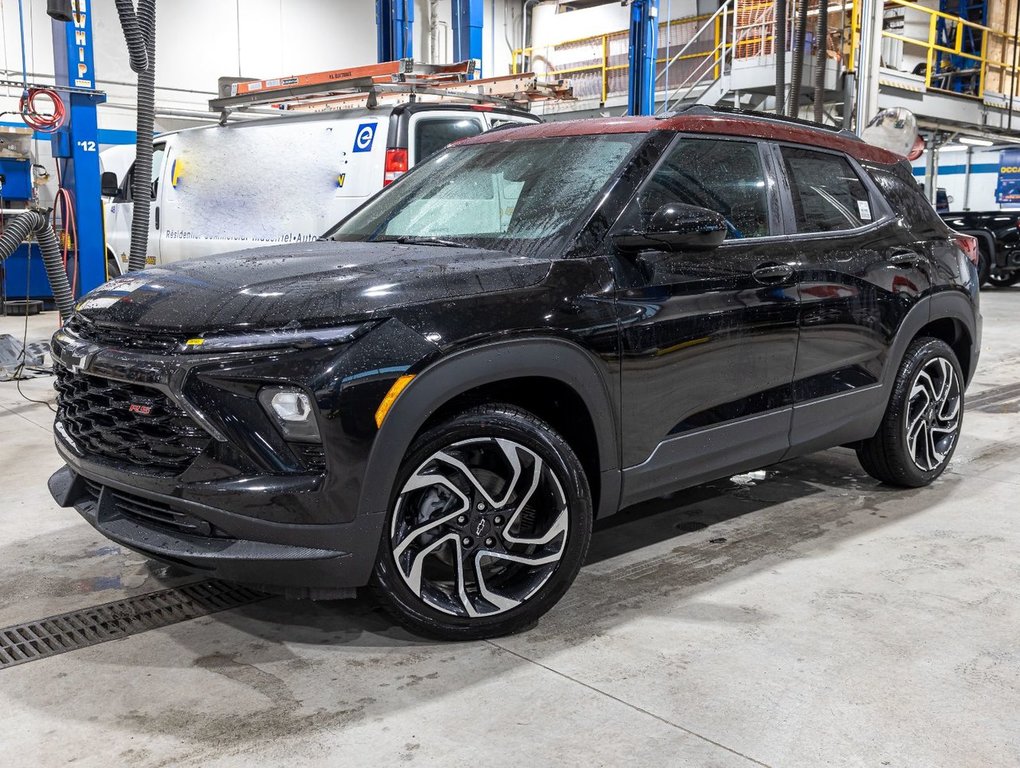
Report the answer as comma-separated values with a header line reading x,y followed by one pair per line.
x,y
121,338
127,422
147,512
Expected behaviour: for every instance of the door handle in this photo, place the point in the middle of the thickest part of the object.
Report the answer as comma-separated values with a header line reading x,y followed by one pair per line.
x,y
904,258
772,273
156,220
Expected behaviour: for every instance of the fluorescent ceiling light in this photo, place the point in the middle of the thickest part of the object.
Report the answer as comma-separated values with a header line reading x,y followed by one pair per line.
x,y
974,141
951,147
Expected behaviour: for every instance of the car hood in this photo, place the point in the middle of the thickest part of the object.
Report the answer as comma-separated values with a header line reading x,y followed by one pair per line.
x,y
311,284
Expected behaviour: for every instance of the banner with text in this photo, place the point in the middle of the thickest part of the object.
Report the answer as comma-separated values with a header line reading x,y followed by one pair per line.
x,y
1007,192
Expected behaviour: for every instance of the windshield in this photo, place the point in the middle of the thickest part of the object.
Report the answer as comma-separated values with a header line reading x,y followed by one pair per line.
x,y
516,196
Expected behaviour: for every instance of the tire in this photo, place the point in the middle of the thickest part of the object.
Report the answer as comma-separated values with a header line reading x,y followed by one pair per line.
x,y
1003,279
921,426
112,267
984,265
507,485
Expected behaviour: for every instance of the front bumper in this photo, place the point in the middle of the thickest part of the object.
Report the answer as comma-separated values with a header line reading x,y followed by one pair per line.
x,y
298,560
247,507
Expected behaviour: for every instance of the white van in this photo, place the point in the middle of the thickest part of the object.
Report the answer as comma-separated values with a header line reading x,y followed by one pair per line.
x,y
278,180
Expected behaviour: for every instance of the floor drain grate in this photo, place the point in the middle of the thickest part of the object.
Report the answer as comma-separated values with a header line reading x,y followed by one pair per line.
x,y
111,621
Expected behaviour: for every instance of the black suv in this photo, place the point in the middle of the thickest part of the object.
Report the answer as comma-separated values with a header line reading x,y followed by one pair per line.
x,y
998,237
536,327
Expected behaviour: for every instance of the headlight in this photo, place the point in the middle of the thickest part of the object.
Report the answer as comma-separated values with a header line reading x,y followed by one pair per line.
x,y
270,339
292,411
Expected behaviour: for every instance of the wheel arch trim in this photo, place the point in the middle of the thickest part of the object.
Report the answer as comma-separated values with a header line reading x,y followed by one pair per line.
x,y
478,366
943,305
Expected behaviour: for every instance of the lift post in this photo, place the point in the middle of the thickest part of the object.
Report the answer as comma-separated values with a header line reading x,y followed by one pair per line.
x,y
467,31
644,43
76,144
394,29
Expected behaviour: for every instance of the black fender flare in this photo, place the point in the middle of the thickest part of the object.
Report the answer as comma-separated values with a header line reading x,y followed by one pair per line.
x,y
942,305
491,363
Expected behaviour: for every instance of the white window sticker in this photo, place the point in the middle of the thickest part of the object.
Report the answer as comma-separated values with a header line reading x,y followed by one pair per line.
x,y
864,209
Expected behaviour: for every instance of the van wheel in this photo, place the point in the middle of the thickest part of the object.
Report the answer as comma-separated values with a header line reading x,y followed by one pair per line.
x,y
112,268
489,522
921,426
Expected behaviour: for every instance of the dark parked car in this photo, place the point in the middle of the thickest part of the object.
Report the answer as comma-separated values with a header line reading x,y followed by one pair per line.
x,y
998,236
533,329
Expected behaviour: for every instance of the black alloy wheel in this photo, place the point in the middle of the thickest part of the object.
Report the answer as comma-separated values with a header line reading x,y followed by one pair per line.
x,y
921,426
488,526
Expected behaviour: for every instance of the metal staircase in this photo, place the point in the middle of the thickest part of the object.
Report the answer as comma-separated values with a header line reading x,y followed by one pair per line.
x,y
707,82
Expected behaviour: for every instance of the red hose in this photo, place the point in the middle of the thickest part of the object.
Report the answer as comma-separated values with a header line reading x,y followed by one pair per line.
x,y
42,121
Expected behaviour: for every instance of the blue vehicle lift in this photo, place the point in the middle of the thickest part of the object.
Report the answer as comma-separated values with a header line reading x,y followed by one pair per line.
x,y
644,43
394,28
77,142
468,16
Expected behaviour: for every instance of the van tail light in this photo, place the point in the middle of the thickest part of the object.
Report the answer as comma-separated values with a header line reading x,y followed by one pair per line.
x,y
969,244
396,164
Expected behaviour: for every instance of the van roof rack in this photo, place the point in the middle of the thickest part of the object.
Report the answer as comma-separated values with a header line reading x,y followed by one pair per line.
x,y
393,82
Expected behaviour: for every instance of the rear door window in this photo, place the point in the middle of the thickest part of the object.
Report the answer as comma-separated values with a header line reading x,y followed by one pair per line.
x,y
431,134
828,195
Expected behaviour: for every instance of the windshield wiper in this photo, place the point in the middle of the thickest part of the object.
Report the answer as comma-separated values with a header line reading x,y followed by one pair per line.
x,y
411,240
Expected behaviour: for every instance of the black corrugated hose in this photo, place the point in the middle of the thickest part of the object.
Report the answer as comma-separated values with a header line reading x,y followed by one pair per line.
x,y
821,55
797,64
17,231
133,35
780,49
140,34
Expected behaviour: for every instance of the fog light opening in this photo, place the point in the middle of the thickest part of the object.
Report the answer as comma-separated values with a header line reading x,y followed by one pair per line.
x,y
293,413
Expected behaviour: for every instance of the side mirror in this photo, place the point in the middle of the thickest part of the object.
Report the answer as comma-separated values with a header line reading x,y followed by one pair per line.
x,y
109,185
676,227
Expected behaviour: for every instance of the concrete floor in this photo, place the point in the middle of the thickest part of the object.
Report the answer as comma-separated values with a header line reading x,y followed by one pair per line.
x,y
803,616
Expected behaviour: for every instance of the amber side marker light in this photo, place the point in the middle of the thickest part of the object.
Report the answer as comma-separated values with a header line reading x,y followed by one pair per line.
x,y
391,397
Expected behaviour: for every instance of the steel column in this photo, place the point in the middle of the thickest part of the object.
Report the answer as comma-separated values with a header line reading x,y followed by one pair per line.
x,y
76,144
468,16
644,43
394,29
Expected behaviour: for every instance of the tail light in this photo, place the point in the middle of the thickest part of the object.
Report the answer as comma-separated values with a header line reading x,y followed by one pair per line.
x,y
970,247
396,164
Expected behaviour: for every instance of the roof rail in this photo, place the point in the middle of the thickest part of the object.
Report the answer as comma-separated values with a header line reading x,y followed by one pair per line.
x,y
785,119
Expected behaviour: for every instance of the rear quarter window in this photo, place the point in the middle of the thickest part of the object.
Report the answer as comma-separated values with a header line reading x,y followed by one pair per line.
x,y
905,197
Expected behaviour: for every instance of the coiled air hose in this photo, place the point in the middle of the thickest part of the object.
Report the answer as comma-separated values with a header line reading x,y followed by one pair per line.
x,y
17,230
140,35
